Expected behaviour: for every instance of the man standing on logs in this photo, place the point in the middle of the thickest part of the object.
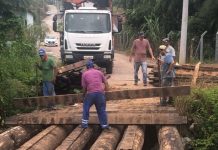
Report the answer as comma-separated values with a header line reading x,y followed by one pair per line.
x,y
94,85
139,48
167,71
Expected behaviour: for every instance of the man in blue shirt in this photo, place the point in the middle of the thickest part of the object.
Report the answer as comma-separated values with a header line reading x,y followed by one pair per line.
x,y
167,70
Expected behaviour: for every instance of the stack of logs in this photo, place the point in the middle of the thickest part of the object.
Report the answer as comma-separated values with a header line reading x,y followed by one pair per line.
x,y
200,74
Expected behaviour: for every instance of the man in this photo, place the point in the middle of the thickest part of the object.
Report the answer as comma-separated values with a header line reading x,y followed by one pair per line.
x,y
169,48
139,48
49,71
94,84
167,70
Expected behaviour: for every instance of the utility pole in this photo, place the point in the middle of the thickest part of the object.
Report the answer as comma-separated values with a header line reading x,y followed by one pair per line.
x,y
182,54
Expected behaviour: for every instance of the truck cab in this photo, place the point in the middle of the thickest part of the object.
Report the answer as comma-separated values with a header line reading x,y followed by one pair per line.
x,y
87,34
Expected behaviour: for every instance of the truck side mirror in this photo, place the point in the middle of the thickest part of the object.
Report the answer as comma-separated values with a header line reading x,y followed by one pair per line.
x,y
117,24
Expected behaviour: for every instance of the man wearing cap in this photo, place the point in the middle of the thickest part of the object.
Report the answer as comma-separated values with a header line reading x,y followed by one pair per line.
x,y
49,71
139,48
167,70
94,85
169,48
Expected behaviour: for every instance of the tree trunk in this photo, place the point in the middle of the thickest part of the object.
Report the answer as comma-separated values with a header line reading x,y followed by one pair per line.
x,y
48,139
108,139
169,138
133,138
16,136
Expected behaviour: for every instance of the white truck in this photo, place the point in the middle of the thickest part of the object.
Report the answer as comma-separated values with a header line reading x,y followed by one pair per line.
x,y
87,34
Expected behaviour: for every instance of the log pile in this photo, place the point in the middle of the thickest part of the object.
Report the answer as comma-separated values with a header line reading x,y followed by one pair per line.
x,y
68,79
186,74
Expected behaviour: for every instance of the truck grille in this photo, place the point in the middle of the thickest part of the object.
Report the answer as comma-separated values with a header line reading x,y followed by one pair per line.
x,y
88,46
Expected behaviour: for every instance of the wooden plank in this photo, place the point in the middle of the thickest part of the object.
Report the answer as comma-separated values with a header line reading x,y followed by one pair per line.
x,y
70,99
70,67
113,118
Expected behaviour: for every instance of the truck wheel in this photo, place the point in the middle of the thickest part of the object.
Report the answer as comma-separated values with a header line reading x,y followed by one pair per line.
x,y
109,68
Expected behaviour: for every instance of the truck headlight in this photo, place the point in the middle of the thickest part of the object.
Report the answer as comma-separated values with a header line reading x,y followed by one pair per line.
x,y
107,56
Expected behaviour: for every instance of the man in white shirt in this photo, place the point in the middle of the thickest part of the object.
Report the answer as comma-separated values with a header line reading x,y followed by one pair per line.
x,y
169,48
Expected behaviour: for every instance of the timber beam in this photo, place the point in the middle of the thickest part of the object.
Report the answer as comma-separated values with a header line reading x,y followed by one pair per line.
x,y
70,99
128,117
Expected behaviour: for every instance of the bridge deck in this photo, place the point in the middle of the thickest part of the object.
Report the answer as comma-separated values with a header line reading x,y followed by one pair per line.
x,y
134,111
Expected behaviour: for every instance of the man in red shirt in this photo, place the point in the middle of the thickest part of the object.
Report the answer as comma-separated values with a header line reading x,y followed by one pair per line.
x,y
94,84
139,48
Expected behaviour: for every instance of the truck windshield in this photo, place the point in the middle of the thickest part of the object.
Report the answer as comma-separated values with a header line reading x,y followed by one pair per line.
x,y
87,23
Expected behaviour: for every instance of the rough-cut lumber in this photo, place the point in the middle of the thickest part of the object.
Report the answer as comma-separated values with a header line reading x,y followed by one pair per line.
x,y
169,138
108,140
77,139
16,136
70,67
133,138
70,99
48,139
115,117
195,74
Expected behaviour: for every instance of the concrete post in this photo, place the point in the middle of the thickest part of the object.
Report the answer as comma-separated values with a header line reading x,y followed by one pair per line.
x,y
182,53
216,48
201,47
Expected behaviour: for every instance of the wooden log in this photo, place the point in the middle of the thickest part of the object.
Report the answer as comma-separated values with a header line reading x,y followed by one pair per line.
x,y
6,143
169,138
70,99
48,139
16,136
77,139
108,140
133,138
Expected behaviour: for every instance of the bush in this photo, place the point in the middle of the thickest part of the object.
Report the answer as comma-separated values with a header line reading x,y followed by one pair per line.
x,y
202,108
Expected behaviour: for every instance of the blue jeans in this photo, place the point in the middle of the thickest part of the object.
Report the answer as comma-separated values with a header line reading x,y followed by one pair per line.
x,y
98,99
144,71
48,88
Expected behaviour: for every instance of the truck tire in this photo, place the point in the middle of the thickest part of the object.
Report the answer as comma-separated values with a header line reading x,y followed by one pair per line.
x,y
109,68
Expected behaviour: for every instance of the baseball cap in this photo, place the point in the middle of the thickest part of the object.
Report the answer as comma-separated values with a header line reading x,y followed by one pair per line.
x,y
166,40
162,47
141,33
42,52
89,64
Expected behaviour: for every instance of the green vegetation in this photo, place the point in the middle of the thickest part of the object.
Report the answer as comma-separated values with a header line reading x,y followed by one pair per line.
x,y
162,18
201,107
17,52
